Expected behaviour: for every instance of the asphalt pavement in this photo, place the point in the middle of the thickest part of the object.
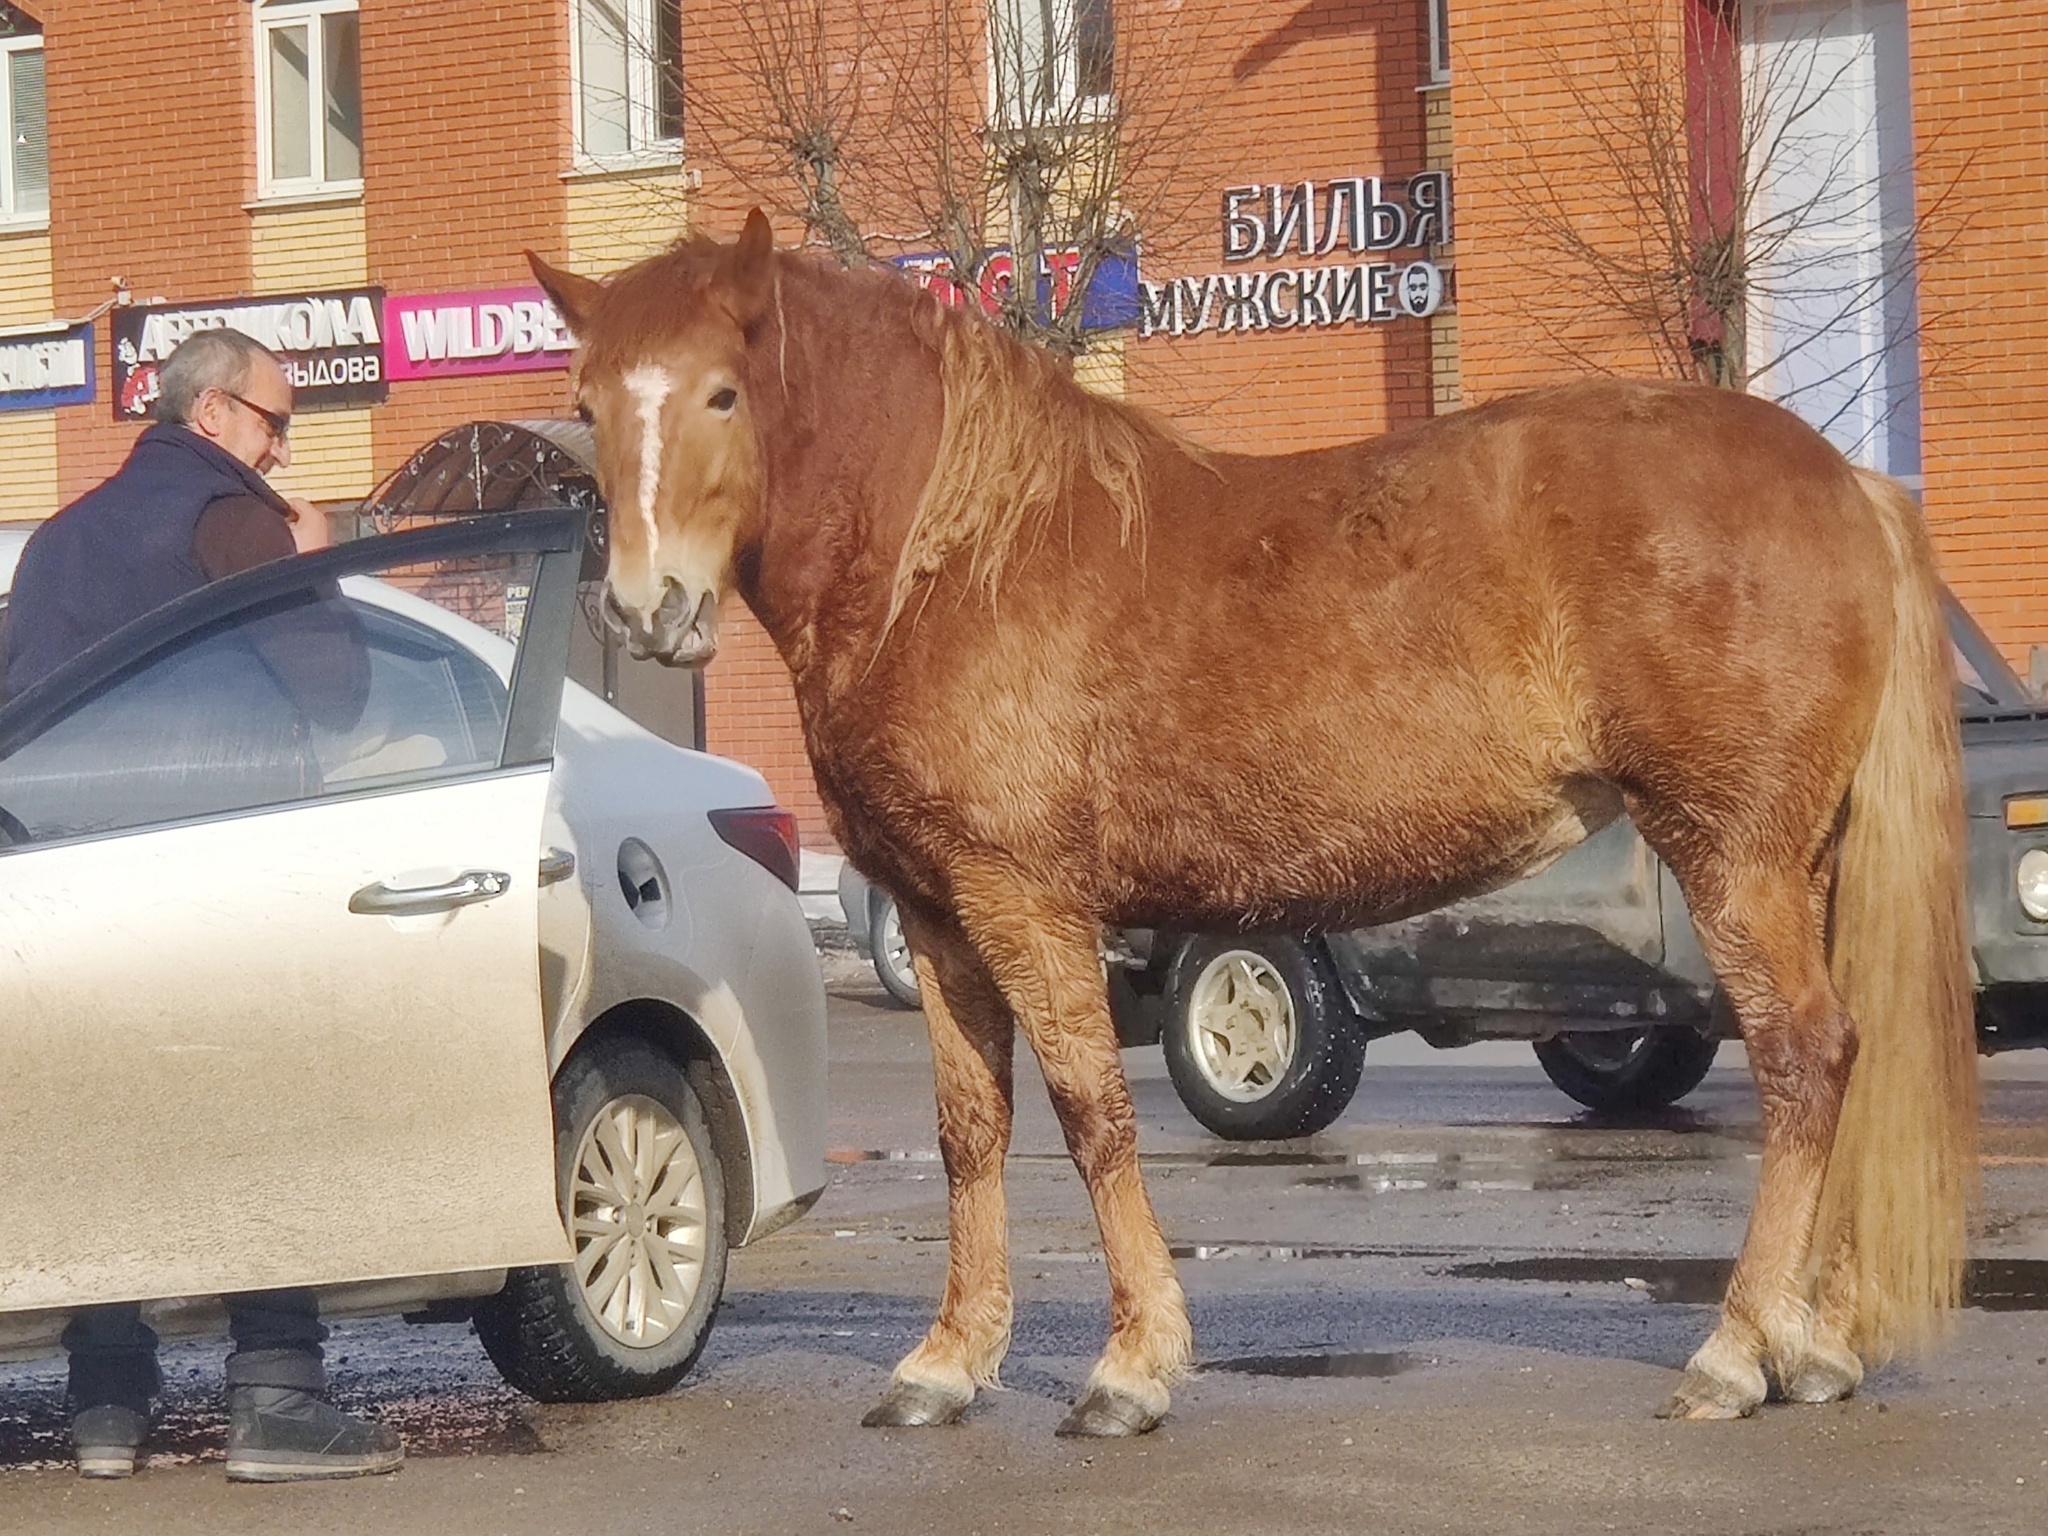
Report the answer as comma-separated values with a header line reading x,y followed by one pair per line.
x,y
1453,1312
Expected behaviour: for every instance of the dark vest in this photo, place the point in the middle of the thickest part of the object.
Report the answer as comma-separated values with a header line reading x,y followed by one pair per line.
x,y
119,551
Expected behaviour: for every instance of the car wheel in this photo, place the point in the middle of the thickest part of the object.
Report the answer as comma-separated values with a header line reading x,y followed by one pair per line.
x,y
891,951
643,1198
1259,1040
1630,1068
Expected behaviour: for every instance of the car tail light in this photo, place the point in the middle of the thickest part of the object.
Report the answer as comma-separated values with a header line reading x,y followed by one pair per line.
x,y
767,835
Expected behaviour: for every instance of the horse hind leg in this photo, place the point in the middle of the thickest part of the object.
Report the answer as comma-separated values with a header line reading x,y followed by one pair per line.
x,y
972,1032
1047,963
1766,938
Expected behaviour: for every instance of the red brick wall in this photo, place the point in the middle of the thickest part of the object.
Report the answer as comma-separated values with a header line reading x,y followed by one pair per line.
x,y
1285,93
152,155
1522,75
466,134
1980,111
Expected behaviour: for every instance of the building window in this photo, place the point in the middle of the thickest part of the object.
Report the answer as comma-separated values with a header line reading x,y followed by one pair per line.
x,y
1052,61
309,97
1439,40
629,79
1833,321
25,165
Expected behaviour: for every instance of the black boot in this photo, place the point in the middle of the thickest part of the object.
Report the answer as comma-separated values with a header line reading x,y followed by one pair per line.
x,y
107,1439
113,1377
285,1435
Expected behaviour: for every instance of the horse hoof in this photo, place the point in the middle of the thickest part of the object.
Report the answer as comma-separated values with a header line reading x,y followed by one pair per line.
x,y
1824,1378
1700,1396
912,1405
1107,1415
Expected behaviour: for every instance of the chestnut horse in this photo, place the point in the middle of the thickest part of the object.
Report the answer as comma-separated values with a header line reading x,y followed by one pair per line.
x,y
1060,668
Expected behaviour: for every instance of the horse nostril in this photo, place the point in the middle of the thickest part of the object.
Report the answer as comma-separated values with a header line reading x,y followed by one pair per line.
x,y
617,622
674,609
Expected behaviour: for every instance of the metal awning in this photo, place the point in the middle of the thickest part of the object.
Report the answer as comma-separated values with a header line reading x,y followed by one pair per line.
x,y
488,466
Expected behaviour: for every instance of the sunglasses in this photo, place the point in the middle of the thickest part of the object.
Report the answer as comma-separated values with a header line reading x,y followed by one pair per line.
x,y
280,424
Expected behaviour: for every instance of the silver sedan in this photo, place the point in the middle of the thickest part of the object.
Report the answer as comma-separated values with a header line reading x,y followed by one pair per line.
x,y
346,947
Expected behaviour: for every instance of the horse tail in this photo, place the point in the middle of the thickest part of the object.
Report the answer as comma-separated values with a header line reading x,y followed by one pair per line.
x,y
1902,1178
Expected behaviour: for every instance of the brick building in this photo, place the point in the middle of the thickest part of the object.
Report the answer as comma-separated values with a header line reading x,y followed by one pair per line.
x,y
163,159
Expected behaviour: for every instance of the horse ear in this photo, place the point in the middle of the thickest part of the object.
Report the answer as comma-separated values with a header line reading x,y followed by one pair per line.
x,y
747,273
576,297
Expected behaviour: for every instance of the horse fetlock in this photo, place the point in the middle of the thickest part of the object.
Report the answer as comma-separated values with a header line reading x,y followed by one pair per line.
x,y
1724,1380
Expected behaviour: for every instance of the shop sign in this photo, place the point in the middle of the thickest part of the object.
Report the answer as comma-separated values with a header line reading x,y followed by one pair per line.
x,y
1111,300
1359,215
451,335
331,344
45,367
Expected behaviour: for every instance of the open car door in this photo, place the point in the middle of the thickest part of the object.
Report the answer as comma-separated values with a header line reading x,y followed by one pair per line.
x,y
269,959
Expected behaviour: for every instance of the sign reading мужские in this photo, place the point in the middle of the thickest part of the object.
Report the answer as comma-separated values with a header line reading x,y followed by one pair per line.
x,y
331,344
449,335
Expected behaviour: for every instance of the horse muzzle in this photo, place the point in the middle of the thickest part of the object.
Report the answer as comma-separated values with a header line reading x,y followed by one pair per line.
x,y
681,632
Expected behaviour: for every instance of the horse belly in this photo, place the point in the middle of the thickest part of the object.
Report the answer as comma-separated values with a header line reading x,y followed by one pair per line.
x,y
1318,864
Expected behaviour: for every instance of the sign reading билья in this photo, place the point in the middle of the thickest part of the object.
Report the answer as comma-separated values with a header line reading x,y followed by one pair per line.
x,y
1277,220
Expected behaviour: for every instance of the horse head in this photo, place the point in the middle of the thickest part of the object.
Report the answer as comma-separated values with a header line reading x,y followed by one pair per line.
x,y
661,378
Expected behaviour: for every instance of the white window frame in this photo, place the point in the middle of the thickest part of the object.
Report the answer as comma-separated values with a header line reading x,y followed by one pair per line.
x,y
1439,41
10,217
644,145
1068,106
309,14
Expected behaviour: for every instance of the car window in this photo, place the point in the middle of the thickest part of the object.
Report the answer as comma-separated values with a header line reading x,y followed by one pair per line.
x,y
433,709
312,696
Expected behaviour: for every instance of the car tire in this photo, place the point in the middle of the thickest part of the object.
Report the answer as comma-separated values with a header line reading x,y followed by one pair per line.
x,y
891,951
1259,1040
1619,1070
586,1332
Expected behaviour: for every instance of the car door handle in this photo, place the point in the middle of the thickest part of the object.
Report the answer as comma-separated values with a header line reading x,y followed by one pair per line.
x,y
466,889
556,865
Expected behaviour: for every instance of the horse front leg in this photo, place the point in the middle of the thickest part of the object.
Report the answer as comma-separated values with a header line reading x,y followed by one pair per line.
x,y
1048,966
971,1034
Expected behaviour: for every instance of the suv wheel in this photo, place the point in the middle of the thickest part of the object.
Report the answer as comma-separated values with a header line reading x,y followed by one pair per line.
x,y
643,1198
1259,1040
1630,1068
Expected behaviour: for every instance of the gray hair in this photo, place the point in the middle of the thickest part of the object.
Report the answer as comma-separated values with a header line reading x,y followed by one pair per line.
x,y
216,359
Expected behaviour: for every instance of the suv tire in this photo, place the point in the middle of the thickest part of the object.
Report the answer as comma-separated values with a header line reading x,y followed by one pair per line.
x,y
1620,1070
1259,1040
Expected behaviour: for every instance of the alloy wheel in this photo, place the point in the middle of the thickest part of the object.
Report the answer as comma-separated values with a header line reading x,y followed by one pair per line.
x,y
1241,1022
637,1219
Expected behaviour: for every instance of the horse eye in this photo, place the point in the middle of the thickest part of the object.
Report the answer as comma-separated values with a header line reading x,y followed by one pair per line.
x,y
724,400
583,411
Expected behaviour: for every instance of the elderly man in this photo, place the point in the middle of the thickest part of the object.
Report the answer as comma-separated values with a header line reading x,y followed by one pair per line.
x,y
190,506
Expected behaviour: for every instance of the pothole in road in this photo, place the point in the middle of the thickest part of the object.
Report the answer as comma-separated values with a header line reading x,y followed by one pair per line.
x,y
1352,1363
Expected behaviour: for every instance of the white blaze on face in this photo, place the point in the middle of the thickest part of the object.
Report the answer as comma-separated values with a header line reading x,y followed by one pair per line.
x,y
649,386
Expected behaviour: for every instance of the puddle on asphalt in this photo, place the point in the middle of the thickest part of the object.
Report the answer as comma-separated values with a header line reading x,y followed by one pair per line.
x,y
1354,1363
1389,1183
1687,1282
1282,1253
1993,1285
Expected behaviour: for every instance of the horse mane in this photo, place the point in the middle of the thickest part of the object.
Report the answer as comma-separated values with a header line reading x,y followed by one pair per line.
x,y
1018,435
